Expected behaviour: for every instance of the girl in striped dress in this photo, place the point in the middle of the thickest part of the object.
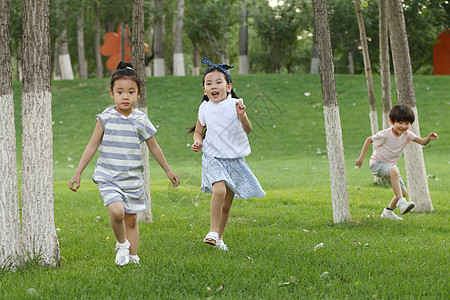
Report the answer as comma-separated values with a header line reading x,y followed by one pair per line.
x,y
118,133
225,173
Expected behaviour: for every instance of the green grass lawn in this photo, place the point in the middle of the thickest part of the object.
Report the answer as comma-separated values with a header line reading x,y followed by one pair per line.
x,y
284,245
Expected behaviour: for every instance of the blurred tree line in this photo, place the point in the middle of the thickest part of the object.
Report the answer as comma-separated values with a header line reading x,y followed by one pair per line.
x,y
280,33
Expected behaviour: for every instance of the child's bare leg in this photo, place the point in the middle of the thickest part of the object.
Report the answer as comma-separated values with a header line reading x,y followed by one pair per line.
x,y
218,196
132,227
116,218
226,209
395,183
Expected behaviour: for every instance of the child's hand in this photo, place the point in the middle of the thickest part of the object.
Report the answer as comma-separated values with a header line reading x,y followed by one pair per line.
x,y
197,146
433,136
359,162
75,181
240,108
174,178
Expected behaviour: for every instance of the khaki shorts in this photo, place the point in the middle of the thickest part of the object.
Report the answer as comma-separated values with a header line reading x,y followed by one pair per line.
x,y
382,169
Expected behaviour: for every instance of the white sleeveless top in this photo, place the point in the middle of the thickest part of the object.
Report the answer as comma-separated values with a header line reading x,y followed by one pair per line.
x,y
225,137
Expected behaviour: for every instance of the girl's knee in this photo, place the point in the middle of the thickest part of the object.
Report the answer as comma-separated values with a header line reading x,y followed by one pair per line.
x,y
219,189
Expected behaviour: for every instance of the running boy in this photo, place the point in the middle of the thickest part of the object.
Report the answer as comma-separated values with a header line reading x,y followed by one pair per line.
x,y
388,147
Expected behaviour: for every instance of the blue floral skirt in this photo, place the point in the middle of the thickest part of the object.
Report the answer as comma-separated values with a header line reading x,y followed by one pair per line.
x,y
236,174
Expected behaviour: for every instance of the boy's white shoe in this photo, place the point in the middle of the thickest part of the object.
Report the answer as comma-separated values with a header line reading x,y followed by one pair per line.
x,y
134,259
123,251
389,214
404,206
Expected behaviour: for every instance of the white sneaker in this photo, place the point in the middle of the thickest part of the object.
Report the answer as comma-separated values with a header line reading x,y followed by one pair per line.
x,y
134,259
221,245
389,214
404,206
123,251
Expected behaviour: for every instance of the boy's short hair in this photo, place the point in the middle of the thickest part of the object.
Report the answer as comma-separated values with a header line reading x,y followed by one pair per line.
x,y
402,113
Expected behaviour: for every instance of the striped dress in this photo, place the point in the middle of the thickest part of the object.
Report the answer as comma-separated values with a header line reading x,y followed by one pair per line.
x,y
119,168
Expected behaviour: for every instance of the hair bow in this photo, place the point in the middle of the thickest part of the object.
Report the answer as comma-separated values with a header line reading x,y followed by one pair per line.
x,y
221,67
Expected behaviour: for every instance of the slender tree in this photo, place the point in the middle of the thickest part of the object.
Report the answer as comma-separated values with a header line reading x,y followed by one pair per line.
x,y
384,63
9,192
38,228
178,56
138,60
97,42
82,62
335,148
315,57
243,39
367,68
158,43
414,162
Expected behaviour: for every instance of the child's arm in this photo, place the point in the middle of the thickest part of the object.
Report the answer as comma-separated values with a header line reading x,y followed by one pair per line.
x,y
425,141
241,111
198,137
366,146
88,153
157,153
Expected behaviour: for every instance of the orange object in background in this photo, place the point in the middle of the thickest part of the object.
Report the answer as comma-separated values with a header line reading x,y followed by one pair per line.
x,y
441,54
111,47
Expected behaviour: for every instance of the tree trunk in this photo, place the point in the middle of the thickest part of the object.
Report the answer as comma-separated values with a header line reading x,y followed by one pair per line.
x,y
9,192
195,60
414,162
97,42
367,68
64,57
351,64
315,57
384,63
82,62
243,40
158,64
38,229
178,56
138,60
335,148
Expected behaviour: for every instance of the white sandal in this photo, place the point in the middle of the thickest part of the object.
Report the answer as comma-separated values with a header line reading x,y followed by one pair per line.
x,y
221,245
211,236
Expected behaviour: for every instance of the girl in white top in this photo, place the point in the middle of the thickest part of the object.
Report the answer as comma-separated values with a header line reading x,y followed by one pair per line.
x,y
118,133
225,173
388,148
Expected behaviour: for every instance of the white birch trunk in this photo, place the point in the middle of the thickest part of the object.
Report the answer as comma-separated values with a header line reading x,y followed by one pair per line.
x,y
178,56
82,62
416,173
335,148
384,64
65,64
138,59
97,42
9,192
243,65
336,161
10,243
367,68
195,60
178,64
158,67
38,226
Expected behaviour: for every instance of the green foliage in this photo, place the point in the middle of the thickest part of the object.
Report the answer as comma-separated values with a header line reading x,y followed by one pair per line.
x,y
282,246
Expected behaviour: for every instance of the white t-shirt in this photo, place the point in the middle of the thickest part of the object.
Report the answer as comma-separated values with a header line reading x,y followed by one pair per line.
x,y
225,137
388,147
